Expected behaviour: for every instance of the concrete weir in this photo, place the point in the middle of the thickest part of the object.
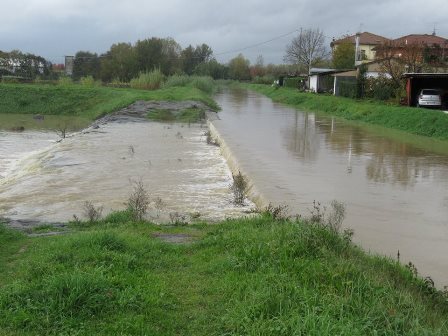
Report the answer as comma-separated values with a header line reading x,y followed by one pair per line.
x,y
252,193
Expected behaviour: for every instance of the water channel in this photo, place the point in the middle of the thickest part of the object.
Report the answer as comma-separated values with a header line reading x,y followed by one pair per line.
x,y
395,187
46,180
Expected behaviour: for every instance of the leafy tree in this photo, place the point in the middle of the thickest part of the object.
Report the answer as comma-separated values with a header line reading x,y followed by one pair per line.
x,y
188,61
213,69
307,48
170,63
192,57
86,64
203,53
159,53
24,65
149,54
239,68
119,62
344,55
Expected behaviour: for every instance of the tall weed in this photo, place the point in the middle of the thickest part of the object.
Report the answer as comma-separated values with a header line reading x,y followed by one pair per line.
x,y
148,80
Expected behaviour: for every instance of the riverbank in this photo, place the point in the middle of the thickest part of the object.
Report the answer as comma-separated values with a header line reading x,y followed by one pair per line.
x,y
259,276
87,102
424,122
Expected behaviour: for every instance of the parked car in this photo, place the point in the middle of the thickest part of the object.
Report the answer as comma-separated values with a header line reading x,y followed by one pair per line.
x,y
430,98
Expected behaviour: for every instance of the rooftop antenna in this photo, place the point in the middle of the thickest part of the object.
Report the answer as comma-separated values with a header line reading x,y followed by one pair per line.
x,y
361,25
434,29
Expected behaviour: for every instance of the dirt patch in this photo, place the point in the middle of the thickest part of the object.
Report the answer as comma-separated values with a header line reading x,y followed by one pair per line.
x,y
174,238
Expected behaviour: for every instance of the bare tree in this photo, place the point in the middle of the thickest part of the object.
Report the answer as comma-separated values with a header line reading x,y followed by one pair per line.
x,y
307,48
397,58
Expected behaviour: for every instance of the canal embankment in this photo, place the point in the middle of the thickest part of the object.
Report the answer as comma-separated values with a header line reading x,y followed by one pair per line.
x,y
395,192
418,121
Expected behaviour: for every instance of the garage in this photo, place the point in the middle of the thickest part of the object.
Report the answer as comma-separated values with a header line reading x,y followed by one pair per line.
x,y
415,82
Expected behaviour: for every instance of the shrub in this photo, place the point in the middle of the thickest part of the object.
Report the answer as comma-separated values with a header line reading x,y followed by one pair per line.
x,y
138,201
91,212
266,79
64,81
381,88
177,80
148,80
238,188
87,81
204,84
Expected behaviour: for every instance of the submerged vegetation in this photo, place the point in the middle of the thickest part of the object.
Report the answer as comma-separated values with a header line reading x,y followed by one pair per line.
x,y
430,123
86,101
258,276
188,115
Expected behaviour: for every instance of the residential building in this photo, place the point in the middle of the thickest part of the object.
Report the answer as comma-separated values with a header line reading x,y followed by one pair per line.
x,y
367,44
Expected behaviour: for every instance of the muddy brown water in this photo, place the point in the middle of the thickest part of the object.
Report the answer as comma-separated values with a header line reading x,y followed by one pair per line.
x,y
47,181
395,191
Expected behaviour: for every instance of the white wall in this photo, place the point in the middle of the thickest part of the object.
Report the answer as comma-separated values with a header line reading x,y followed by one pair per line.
x,y
313,82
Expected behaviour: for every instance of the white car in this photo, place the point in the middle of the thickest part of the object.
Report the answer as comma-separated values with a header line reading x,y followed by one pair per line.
x,y
429,98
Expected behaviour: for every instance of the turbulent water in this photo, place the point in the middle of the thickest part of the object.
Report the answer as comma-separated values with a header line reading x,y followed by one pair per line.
x,y
48,181
396,193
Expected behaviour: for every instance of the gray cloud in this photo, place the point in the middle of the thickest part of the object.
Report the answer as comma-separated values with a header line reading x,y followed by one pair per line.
x,y
54,28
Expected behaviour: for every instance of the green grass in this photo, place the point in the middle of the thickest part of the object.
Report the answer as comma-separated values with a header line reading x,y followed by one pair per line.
x,y
203,83
189,115
419,121
151,80
86,102
256,276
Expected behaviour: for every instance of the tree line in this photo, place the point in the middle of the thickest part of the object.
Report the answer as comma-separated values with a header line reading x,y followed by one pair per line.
x,y
124,61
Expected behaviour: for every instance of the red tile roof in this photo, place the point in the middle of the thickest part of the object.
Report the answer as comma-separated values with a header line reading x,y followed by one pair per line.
x,y
426,39
364,38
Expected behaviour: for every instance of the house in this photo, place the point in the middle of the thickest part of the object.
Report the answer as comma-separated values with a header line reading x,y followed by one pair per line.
x,y
366,44
416,51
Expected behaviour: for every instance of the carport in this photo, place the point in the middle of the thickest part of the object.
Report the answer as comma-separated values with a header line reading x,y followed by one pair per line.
x,y
415,82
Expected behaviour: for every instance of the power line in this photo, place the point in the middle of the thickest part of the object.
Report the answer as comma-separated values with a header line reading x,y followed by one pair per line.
x,y
214,54
257,44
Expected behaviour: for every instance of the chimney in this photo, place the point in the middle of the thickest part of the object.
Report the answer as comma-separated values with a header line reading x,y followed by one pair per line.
x,y
357,49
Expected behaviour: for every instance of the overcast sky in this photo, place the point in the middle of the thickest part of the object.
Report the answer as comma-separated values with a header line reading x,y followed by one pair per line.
x,y
54,28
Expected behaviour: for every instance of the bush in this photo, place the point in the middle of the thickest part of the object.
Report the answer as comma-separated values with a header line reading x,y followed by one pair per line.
x,y
177,80
266,79
87,81
204,84
64,81
294,82
138,201
148,80
381,88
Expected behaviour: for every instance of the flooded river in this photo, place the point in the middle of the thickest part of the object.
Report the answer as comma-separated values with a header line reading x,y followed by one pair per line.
x,y
395,187
395,190
45,180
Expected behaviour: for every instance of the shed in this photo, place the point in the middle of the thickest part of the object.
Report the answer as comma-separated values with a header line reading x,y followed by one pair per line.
x,y
345,83
415,82
321,80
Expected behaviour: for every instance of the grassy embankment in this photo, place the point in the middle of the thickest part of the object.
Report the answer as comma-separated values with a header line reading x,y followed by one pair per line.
x,y
419,121
259,276
193,114
86,102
